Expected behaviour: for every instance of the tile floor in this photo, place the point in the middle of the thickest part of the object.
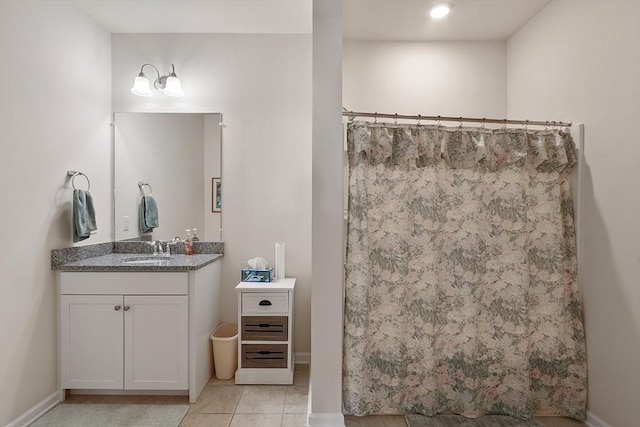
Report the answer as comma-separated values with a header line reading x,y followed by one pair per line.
x,y
224,404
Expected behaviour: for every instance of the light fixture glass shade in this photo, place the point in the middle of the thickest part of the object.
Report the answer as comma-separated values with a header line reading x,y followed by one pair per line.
x,y
173,87
440,10
141,86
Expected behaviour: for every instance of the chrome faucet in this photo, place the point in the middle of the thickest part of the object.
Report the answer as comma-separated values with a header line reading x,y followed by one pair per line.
x,y
157,247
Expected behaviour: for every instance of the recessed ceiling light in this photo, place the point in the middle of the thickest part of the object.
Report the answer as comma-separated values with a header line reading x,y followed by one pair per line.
x,y
440,10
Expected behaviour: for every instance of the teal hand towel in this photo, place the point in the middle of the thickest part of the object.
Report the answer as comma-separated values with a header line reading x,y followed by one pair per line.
x,y
148,214
84,215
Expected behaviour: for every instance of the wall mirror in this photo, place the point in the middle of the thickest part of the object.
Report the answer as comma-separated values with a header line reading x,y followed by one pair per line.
x,y
176,157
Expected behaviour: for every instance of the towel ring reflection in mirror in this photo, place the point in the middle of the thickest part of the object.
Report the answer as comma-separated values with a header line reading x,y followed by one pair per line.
x,y
73,174
141,186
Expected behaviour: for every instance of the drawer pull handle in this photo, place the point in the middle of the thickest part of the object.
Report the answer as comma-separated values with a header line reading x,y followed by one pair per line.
x,y
264,352
264,302
117,308
264,325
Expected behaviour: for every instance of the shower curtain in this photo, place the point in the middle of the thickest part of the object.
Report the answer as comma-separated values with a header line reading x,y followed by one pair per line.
x,y
461,291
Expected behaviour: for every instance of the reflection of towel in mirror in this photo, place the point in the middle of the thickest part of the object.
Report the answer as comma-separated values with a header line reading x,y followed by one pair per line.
x,y
84,215
148,214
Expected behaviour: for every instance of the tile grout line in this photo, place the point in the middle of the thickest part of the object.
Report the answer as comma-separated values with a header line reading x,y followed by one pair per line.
x,y
284,403
235,408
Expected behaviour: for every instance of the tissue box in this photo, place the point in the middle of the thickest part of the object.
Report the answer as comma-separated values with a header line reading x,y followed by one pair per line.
x,y
255,275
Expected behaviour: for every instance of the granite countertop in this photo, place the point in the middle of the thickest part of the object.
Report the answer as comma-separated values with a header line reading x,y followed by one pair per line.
x,y
116,262
112,256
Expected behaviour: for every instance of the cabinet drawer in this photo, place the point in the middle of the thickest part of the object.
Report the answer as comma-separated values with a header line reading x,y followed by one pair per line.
x,y
119,283
264,356
265,328
265,302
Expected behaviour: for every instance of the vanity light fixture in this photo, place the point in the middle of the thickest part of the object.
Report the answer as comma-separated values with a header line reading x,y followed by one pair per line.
x,y
169,85
440,10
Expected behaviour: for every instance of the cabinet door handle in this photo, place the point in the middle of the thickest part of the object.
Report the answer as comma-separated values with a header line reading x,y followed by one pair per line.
x,y
264,302
126,308
117,307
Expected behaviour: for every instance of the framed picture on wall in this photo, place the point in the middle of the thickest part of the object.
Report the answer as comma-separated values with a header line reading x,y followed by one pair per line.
x,y
216,197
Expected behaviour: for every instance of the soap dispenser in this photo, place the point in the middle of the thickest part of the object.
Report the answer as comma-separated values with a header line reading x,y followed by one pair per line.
x,y
194,238
188,250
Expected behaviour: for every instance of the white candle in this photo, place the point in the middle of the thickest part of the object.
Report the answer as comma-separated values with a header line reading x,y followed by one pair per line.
x,y
280,260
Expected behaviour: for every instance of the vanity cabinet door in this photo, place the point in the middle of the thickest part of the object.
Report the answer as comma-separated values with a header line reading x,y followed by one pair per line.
x,y
91,341
156,342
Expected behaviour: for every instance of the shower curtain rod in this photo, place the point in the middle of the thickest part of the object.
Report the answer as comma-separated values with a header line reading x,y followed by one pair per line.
x,y
353,114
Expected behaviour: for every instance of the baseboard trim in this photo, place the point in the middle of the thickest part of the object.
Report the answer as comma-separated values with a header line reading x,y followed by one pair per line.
x,y
110,392
323,419
302,358
593,421
36,411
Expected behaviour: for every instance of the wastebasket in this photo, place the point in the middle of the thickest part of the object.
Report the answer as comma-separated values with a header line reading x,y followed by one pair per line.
x,y
225,350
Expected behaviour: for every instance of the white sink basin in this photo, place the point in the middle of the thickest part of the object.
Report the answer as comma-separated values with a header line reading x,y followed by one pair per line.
x,y
148,260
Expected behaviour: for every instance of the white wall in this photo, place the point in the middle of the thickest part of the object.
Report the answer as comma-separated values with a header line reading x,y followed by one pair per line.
x,y
167,152
580,61
55,81
429,78
325,393
262,86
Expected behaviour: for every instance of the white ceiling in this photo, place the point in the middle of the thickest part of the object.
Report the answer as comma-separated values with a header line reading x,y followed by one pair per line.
x,y
408,20
363,19
201,16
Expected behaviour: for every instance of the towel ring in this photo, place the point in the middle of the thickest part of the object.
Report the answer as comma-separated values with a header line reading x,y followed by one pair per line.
x,y
141,186
74,174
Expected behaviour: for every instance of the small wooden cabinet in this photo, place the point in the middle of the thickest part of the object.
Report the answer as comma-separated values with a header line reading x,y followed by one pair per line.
x,y
265,344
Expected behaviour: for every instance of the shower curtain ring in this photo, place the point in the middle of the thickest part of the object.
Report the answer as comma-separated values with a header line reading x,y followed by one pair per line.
x,y
418,123
526,125
375,117
395,119
460,122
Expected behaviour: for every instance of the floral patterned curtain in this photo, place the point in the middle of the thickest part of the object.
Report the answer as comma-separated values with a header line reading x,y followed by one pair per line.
x,y
461,291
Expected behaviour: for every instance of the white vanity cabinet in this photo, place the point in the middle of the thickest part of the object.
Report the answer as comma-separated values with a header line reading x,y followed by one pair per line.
x,y
156,342
265,321
131,342
137,331
91,341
